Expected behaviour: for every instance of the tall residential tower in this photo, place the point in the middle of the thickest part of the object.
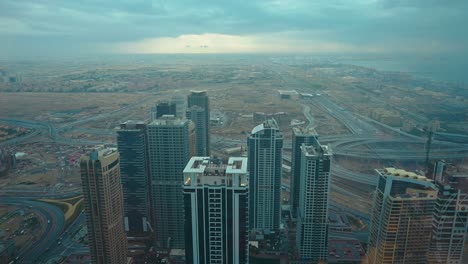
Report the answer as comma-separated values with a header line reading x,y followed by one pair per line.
x,y
163,108
401,221
265,146
200,99
216,217
102,191
171,144
299,136
312,216
198,116
450,220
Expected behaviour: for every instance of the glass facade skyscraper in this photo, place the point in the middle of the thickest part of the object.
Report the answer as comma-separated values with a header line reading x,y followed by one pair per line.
x,y
132,145
200,99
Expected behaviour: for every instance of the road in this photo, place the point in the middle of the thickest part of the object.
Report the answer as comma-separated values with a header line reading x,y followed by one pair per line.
x,y
308,116
348,119
53,133
49,216
64,246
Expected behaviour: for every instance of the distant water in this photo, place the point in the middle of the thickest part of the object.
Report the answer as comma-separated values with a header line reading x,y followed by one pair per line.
x,y
439,68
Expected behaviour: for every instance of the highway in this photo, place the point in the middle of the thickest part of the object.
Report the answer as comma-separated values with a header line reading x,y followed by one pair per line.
x,y
348,119
53,133
64,246
38,129
49,216
308,116
35,127
347,174
366,140
93,118
55,242
364,133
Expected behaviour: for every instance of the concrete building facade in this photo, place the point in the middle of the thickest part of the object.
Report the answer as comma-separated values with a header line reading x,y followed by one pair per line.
x,y
312,217
401,219
103,201
265,145
450,220
216,211
299,137
170,145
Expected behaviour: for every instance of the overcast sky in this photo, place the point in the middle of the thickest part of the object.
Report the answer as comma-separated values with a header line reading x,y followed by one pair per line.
x,y
56,27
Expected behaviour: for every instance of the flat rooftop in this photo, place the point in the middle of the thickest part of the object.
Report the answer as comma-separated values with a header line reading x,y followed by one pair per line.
x,y
100,153
403,174
417,187
168,120
288,92
132,125
303,131
198,92
316,150
210,171
267,124
455,176
196,108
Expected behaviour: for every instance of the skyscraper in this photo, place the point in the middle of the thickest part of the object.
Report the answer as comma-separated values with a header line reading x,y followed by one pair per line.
x,y
198,116
134,174
163,108
265,145
200,98
401,221
312,224
450,219
100,177
299,136
171,144
216,217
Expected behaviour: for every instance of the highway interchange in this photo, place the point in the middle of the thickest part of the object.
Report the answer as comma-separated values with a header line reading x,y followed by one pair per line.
x,y
50,217
366,140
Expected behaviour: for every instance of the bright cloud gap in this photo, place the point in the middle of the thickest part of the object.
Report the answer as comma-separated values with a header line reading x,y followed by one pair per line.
x,y
288,42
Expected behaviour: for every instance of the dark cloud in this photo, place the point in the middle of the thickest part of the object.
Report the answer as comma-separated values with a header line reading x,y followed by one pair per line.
x,y
428,4
26,25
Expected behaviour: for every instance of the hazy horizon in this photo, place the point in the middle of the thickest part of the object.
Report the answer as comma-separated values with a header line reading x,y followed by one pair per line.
x,y
64,28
